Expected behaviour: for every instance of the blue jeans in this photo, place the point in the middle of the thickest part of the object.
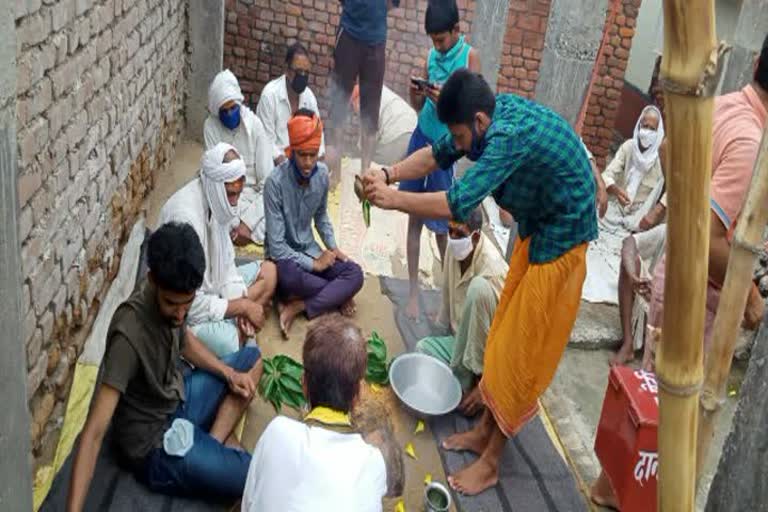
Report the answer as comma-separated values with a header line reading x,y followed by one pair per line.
x,y
438,181
209,469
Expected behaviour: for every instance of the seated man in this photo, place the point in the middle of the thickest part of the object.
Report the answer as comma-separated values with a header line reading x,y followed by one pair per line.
x,y
310,279
230,121
324,463
173,426
397,120
285,95
229,306
473,277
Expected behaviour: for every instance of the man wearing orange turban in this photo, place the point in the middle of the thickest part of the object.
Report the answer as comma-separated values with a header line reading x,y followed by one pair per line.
x,y
311,279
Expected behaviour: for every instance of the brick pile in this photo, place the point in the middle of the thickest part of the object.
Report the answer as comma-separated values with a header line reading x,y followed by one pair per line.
x,y
603,103
99,104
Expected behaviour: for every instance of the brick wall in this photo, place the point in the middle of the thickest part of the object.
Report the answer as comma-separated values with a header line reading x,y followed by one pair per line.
x,y
100,91
523,44
608,81
258,32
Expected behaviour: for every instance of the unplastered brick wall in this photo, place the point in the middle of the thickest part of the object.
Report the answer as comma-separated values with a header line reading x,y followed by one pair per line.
x,y
522,47
258,32
608,82
99,98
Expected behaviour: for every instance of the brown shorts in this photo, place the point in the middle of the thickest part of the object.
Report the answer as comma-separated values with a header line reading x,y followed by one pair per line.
x,y
353,60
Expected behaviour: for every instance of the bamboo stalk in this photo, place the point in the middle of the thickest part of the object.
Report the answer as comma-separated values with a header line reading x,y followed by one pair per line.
x,y
689,40
733,299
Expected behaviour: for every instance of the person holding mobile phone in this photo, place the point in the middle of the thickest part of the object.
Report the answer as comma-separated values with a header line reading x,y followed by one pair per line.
x,y
450,52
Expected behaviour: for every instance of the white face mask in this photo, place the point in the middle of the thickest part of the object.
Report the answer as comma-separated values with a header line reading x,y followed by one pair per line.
x,y
460,247
647,137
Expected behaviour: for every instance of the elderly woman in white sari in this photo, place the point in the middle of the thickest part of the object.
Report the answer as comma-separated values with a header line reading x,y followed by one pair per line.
x,y
635,184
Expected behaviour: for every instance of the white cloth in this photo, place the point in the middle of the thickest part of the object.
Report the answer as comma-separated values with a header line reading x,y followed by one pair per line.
x,y
302,468
396,117
274,110
641,162
189,205
223,88
251,141
650,248
604,254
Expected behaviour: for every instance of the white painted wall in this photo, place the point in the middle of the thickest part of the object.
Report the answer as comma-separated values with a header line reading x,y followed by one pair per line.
x,y
649,37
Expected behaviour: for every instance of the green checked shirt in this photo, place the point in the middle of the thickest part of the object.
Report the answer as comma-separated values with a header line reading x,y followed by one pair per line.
x,y
536,168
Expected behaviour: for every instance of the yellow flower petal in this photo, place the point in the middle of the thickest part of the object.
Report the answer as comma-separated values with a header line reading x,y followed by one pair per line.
x,y
400,506
732,392
419,427
375,388
410,451
428,479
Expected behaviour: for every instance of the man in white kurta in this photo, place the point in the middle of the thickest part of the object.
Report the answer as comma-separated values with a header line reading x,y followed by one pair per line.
x,y
283,96
229,305
397,120
246,133
473,277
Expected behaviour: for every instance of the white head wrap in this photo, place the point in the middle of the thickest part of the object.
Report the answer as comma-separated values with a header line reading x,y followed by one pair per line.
x,y
224,88
214,173
642,161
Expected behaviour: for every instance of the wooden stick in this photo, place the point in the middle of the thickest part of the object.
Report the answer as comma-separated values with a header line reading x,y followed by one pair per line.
x,y
747,238
689,42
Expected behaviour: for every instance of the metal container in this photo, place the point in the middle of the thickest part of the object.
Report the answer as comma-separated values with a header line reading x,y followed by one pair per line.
x,y
425,385
436,498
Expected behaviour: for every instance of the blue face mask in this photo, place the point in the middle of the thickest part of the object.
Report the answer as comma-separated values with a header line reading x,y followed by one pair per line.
x,y
478,145
300,175
230,118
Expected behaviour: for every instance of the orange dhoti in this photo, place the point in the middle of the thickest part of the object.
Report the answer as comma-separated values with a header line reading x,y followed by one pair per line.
x,y
530,331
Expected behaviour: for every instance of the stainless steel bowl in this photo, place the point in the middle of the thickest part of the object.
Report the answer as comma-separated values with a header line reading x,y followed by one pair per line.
x,y
426,386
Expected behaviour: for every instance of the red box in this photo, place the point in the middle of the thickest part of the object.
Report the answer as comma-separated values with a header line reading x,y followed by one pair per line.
x,y
626,442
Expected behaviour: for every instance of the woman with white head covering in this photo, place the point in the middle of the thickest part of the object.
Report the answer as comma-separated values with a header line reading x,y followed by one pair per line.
x,y
231,121
229,306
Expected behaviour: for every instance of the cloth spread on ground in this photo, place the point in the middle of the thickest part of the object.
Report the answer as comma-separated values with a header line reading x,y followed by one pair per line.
x,y
604,254
533,476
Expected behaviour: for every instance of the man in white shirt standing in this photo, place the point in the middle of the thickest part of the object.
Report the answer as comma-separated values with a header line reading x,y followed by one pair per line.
x,y
283,96
229,306
324,463
231,121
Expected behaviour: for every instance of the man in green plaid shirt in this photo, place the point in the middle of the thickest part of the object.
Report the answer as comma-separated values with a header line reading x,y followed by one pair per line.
x,y
534,165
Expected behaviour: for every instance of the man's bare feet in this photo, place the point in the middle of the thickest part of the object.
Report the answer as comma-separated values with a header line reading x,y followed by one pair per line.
x,y
475,478
288,313
602,494
472,402
413,308
474,440
624,355
349,308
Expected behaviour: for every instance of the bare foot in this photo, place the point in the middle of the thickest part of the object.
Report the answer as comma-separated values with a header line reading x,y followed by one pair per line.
x,y
474,440
602,494
624,355
475,478
472,403
349,308
288,314
413,308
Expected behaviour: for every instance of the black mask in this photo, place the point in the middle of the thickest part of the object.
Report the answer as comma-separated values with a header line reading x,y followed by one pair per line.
x,y
299,82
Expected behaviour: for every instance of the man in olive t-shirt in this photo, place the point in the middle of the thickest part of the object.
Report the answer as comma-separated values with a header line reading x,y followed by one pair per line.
x,y
172,425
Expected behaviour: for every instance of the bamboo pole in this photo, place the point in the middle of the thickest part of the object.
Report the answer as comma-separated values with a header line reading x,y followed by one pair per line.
x,y
746,243
689,44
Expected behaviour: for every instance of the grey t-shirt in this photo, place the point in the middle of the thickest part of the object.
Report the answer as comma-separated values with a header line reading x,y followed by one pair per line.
x,y
142,361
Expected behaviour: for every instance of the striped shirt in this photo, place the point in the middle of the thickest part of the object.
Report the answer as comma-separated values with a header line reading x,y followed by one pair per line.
x,y
535,167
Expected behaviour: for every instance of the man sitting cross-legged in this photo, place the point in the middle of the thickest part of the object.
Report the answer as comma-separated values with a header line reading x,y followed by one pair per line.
x,y
333,460
473,277
229,306
172,425
310,279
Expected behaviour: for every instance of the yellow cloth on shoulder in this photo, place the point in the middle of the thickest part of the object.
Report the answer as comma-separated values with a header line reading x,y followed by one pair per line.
x,y
531,328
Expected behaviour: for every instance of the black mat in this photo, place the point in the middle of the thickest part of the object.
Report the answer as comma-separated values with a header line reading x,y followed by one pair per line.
x,y
533,475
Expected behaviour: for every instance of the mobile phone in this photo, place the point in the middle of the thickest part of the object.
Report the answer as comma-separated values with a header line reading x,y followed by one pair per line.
x,y
420,82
